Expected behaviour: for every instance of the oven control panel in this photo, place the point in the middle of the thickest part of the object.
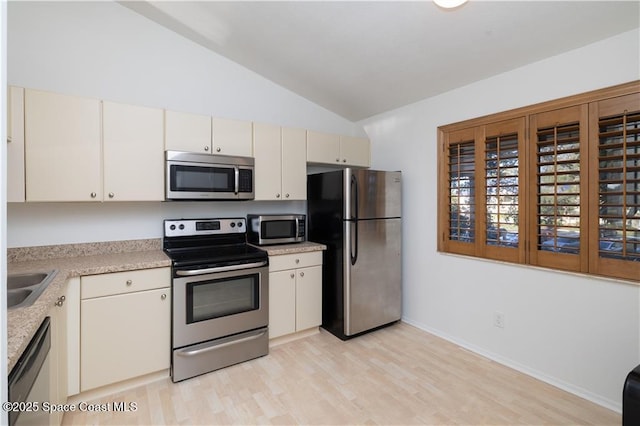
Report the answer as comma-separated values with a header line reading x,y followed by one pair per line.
x,y
188,227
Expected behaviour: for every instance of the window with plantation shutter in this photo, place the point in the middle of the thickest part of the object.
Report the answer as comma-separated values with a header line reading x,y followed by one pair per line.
x,y
554,185
559,171
461,188
503,201
616,141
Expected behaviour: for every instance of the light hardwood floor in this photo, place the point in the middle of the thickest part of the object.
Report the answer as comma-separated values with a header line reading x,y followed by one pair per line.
x,y
399,375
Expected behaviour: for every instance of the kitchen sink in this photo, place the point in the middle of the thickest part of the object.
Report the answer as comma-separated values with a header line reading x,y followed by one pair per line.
x,y
23,289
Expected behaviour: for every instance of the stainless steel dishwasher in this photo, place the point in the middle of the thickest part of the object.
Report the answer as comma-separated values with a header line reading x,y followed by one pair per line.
x,y
29,381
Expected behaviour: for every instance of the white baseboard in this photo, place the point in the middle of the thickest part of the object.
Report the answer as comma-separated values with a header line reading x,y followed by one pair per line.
x,y
576,390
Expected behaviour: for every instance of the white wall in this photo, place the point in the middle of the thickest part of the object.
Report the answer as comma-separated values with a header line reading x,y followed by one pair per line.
x,y
104,50
3,198
578,332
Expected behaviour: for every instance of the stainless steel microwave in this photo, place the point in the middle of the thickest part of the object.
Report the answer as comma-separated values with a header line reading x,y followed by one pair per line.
x,y
194,176
276,229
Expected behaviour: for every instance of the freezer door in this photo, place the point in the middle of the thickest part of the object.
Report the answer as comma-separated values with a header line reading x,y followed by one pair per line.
x,y
372,194
372,274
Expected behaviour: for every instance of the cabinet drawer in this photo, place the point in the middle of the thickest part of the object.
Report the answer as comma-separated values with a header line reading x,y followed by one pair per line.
x,y
293,261
124,282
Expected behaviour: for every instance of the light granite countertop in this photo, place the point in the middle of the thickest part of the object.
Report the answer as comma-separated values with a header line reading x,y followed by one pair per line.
x,y
75,260
305,246
70,261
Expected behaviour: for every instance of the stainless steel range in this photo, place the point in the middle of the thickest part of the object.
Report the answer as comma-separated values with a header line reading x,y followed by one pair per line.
x,y
220,295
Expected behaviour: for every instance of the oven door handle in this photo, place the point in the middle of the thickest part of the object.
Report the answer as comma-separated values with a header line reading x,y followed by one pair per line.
x,y
220,269
214,347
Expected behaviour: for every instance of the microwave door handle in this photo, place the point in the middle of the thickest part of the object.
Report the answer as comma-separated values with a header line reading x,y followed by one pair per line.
x,y
236,173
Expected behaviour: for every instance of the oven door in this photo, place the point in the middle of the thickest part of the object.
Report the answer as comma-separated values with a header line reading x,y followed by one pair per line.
x,y
218,304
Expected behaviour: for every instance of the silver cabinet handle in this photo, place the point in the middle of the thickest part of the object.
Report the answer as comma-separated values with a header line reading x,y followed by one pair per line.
x,y
277,195
218,149
302,274
206,148
8,139
111,195
297,261
129,282
94,195
287,196
344,160
163,297
60,301
337,160
292,275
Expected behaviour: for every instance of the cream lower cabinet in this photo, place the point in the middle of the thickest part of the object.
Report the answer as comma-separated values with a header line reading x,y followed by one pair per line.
x,y
58,378
295,293
125,324
280,162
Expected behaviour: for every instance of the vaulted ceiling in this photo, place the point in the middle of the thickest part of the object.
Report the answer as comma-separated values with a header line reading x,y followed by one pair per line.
x,y
362,58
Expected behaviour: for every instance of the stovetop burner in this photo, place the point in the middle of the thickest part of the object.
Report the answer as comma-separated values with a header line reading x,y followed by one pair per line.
x,y
209,242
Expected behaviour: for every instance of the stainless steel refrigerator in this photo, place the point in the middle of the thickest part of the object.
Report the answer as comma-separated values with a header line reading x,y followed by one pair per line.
x,y
357,215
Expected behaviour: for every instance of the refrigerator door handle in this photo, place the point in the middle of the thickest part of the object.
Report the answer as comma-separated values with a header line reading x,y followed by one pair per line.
x,y
354,245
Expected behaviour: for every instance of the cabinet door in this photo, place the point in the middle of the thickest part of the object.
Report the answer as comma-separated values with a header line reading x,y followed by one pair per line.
x,y
187,132
268,163
15,145
282,303
58,358
124,336
62,147
294,164
133,153
308,297
355,151
323,148
232,137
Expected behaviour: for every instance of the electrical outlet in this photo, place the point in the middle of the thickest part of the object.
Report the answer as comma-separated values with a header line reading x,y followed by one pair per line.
x,y
498,319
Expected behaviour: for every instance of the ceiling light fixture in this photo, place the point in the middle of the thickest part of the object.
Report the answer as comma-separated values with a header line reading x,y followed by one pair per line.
x,y
449,4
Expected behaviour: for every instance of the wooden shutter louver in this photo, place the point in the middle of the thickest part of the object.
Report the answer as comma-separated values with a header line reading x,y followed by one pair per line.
x,y
558,176
462,192
502,190
619,186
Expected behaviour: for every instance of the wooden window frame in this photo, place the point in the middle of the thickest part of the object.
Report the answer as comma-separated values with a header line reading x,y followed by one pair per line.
x,y
584,109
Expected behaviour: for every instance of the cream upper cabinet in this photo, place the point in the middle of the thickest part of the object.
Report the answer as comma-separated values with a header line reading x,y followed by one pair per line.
x,y
15,145
280,163
125,323
294,164
232,137
62,147
187,132
133,153
268,161
326,148
323,148
295,293
355,151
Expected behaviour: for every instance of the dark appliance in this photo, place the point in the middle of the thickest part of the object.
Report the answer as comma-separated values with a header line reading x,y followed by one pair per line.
x,y
631,399
196,176
220,303
357,215
29,380
266,229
